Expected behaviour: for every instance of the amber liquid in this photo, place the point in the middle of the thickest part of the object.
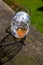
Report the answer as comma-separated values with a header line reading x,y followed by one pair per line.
x,y
21,32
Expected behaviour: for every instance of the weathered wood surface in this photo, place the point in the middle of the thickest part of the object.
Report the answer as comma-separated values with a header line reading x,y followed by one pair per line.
x,y
17,54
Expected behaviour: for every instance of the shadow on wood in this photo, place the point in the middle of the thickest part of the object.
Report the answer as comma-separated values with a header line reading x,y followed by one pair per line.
x,y
9,48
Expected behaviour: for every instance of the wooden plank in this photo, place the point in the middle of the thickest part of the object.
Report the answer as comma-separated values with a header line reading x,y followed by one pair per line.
x,y
17,54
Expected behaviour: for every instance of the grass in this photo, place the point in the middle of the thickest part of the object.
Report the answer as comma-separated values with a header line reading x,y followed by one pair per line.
x,y
36,16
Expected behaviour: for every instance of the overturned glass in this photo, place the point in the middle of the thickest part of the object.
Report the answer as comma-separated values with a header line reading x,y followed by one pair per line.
x,y
20,24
